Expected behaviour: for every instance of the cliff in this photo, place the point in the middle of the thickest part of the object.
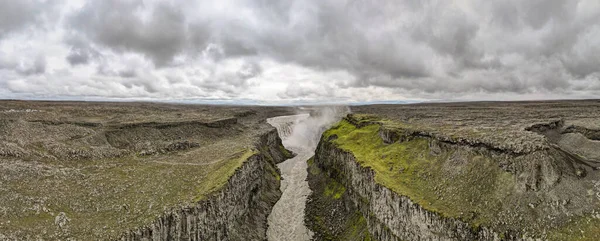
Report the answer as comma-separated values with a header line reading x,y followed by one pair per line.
x,y
137,171
331,212
410,183
238,211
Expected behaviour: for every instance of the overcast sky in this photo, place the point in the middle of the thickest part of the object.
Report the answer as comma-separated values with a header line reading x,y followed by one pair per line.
x,y
276,51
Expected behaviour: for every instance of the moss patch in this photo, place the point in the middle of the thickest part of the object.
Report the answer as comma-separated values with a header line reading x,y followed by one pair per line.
x,y
463,185
356,229
334,190
286,153
221,174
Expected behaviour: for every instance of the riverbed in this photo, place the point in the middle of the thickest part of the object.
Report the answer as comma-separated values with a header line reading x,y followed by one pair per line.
x,y
286,221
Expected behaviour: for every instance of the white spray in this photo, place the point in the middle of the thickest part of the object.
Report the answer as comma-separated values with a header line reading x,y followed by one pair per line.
x,y
307,128
301,134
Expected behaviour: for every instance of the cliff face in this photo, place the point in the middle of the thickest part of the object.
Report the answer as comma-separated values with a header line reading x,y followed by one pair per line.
x,y
238,211
137,171
414,185
331,212
390,216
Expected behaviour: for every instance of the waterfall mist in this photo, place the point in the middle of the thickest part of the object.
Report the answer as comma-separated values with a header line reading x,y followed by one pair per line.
x,y
300,133
306,129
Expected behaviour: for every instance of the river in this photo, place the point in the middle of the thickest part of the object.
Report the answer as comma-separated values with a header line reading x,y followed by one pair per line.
x,y
300,134
286,221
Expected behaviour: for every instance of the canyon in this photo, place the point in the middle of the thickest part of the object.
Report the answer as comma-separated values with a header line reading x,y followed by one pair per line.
x,y
435,171
459,171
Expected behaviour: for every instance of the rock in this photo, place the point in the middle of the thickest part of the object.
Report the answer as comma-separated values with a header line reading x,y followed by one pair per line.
x,y
61,220
391,216
580,172
238,211
388,136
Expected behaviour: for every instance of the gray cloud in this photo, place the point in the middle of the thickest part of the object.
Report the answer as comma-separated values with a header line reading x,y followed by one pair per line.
x,y
418,49
370,41
25,67
77,57
129,68
37,66
127,73
15,15
114,24
81,52
232,81
249,69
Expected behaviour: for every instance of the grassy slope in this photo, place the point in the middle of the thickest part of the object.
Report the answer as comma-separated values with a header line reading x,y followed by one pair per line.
x,y
473,193
123,194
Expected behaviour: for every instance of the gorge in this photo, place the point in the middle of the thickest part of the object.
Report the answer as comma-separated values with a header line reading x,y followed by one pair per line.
x,y
448,171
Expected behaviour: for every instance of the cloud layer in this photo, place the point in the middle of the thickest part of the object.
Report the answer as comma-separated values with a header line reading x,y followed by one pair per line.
x,y
300,50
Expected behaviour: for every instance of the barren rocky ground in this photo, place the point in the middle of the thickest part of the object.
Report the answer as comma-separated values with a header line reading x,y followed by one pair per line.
x,y
482,170
95,170
502,125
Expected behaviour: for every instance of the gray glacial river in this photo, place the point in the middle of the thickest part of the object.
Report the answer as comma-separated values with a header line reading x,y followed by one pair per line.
x,y
286,221
300,134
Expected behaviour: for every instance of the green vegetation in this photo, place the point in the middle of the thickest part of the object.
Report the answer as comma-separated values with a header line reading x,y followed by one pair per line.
x,y
326,215
103,168
312,168
334,190
98,203
286,153
221,174
356,229
455,183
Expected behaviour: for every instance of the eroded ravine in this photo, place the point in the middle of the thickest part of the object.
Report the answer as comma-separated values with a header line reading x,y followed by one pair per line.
x,y
286,221
300,134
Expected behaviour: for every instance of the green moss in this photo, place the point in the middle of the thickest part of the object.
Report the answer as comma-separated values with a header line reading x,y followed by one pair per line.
x,y
356,228
334,189
328,194
471,190
265,149
286,153
312,168
274,172
221,174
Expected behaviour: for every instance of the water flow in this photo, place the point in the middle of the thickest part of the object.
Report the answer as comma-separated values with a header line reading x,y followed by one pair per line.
x,y
300,134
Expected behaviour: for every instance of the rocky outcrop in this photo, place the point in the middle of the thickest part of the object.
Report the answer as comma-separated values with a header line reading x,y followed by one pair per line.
x,y
285,124
330,211
164,125
539,187
238,211
579,143
271,145
517,146
391,216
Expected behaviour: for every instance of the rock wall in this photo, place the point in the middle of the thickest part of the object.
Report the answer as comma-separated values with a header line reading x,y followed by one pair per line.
x,y
391,216
433,188
238,211
272,147
330,211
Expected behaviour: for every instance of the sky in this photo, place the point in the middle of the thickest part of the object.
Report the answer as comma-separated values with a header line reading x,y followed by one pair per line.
x,y
291,51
